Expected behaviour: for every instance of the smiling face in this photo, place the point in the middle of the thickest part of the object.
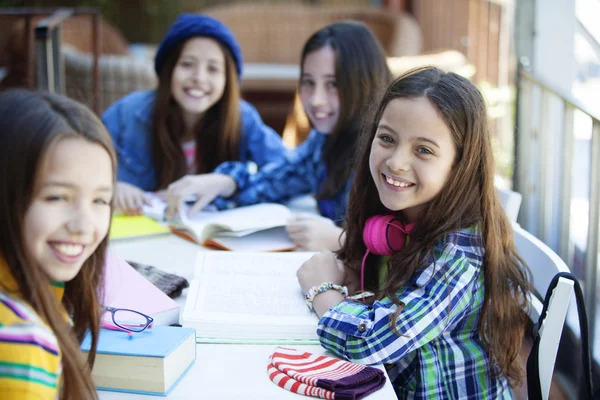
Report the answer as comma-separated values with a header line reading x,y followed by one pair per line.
x,y
70,211
199,77
318,89
412,155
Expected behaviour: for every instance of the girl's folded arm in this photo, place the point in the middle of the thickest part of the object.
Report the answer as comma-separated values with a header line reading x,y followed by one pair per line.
x,y
363,333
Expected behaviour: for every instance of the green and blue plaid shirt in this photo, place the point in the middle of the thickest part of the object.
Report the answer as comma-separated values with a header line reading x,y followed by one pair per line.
x,y
440,354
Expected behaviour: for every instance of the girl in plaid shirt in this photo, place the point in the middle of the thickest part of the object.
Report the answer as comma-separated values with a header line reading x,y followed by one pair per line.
x,y
446,305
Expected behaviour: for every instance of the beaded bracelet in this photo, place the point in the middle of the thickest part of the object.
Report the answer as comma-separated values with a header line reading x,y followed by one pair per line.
x,y
323,287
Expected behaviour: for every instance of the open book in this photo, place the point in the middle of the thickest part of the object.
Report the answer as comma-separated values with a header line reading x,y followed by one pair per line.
x,y
248,296
259,227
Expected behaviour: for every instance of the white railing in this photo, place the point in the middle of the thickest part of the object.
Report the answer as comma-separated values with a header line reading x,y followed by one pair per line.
x,y
545,155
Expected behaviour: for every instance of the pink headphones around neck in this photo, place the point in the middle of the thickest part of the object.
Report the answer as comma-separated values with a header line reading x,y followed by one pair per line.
x,y
383,235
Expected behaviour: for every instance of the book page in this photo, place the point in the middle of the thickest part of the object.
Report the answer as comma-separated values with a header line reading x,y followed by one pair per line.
x,y
260,216
274,239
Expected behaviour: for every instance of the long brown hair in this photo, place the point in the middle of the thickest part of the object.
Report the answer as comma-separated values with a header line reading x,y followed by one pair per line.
x,y
361,75
217,134
468,198
30,124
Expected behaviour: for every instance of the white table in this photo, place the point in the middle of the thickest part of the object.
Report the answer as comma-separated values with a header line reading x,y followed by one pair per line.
x,y
233,372
221,371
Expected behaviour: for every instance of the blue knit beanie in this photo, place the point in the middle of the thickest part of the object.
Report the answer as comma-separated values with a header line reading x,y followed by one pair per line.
x,y
190,25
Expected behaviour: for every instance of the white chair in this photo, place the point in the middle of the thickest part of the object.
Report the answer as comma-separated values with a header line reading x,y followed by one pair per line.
x,y
544,264
510,201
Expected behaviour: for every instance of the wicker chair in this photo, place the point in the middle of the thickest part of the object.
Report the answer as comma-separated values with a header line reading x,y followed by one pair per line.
x,y
119,76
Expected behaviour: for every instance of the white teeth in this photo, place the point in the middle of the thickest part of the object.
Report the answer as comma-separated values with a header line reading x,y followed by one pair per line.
x,y
320,115
69,249
195,93
397,183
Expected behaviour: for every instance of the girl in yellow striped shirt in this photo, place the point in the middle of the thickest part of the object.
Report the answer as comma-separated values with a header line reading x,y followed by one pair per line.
x,y
57,172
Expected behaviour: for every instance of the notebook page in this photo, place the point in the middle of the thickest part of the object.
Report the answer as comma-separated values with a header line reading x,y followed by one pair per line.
x,y
249,296
248,307
252,297
250,264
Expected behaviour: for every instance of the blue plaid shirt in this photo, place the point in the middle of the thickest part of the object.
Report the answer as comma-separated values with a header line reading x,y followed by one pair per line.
x,y
440,354
299,172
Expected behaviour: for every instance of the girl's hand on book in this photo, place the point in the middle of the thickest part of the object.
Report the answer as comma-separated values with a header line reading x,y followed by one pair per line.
x,y
205,187
129,199
322,267
314,233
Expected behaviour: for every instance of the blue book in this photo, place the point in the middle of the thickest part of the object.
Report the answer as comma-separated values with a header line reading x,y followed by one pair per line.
x,y
150,362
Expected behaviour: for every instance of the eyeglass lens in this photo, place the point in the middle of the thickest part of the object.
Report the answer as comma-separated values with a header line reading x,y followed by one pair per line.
x,y
130,320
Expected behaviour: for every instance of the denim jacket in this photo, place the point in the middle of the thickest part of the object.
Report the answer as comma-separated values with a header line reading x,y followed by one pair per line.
x,y
129,121
299,172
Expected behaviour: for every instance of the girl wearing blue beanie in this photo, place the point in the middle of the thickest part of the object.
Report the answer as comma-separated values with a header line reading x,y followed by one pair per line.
x,y
343,73
173,137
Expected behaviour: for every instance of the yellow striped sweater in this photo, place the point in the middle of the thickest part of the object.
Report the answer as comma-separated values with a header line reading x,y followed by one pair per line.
x,y
30,361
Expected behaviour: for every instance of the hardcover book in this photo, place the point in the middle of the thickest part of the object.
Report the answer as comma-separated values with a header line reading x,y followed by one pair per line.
x,y
149,362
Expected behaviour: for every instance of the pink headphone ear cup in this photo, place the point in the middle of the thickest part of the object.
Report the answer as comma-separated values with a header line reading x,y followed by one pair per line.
x,y
383,235
375,234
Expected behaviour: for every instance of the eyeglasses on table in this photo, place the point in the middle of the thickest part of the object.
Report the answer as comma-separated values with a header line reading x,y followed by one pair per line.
x,y
124,319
